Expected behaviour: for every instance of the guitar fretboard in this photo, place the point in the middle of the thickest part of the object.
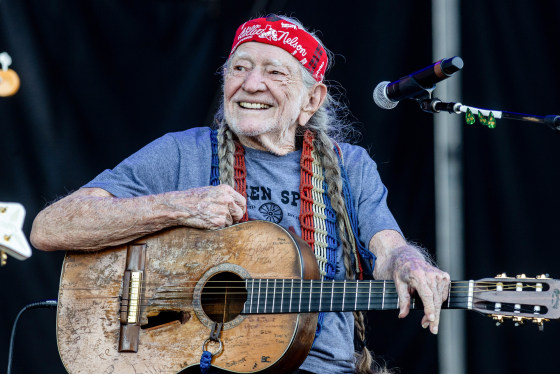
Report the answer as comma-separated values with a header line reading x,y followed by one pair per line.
x,y
300,296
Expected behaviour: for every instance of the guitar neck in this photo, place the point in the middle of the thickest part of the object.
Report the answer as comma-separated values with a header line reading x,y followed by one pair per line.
x,y
300,296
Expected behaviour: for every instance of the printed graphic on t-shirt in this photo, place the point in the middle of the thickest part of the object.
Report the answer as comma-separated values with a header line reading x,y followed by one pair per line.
x,y
272,205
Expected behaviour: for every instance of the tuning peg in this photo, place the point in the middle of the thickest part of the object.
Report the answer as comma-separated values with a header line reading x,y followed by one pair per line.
x,y
518,320
503,275
499,318
540,322
543,276
522,276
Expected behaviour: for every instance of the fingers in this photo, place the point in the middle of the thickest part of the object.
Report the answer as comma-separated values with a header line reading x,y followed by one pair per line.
x,y
431,285
433,291
432,305
403,293
238,207
229,204
210,207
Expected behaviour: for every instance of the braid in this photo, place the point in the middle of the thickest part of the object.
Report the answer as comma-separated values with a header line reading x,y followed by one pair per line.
x,y
324,147
226,150
329,160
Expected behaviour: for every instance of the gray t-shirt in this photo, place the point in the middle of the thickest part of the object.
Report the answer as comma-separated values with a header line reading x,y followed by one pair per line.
x,y
182,160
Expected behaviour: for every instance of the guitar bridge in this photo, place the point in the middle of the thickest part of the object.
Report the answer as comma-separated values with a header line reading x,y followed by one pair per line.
x,y
134,297
131,298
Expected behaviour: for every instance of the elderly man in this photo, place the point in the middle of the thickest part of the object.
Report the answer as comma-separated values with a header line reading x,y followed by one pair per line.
x,y
274,140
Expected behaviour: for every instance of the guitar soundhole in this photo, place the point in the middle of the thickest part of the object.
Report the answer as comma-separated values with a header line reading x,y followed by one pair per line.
x,y
223,297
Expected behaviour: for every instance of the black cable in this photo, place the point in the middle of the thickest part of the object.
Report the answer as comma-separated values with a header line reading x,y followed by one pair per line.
x,y
40,304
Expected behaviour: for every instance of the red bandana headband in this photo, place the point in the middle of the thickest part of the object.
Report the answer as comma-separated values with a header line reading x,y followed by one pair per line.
x,y
288,36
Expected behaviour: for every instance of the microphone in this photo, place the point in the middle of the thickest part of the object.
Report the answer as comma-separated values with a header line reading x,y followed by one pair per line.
x,y
388,94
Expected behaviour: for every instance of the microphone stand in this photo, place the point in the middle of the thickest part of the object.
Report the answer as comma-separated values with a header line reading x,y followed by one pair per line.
x,y
486,116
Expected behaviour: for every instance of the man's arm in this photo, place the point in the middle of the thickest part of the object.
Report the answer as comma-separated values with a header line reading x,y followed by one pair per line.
x,y
411,270
92,218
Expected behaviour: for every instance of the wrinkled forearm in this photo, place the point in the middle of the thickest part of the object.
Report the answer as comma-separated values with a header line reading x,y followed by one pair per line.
x,y
94,219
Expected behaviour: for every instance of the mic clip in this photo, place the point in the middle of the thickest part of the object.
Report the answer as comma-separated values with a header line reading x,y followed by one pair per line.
x,y
435,105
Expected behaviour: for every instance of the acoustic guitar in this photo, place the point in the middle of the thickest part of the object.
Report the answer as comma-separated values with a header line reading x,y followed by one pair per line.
x,y
249,294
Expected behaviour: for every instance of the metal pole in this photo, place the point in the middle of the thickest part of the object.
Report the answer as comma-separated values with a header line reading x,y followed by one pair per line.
x,y
448,186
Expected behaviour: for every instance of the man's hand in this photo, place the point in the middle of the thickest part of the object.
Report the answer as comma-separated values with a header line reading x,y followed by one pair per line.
x,y
207,207
412,272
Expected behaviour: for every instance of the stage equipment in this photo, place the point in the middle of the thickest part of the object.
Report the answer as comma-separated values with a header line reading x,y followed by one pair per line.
x,y
486,117
12,240
51,304
421,84
417,85
9,80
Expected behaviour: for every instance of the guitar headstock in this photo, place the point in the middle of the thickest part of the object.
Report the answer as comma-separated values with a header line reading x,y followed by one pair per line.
x,y
518,298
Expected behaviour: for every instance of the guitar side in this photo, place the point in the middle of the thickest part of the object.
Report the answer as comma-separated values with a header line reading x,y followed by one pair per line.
x,y
91,287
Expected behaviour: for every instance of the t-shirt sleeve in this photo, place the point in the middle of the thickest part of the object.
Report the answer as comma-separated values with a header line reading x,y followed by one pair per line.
x,y
369,194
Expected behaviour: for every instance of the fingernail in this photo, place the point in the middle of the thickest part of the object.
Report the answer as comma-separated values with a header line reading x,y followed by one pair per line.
x,y
435,330
432,318
425,325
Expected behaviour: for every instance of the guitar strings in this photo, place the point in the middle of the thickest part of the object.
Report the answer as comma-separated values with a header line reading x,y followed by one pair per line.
x,y
376,286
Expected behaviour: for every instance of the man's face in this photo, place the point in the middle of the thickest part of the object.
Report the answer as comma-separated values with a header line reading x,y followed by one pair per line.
x,y
263,92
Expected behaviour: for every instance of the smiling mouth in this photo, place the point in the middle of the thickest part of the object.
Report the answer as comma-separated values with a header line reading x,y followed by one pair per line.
x,y
246,105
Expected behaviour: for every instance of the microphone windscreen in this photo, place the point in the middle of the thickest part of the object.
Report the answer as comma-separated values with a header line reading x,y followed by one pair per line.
x,y
380,96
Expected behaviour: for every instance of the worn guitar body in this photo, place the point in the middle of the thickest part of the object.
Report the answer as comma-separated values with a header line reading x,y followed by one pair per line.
x,y
249,294
177,265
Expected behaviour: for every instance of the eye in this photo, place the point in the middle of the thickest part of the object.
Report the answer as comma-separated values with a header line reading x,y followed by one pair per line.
x,y
239,68
277,73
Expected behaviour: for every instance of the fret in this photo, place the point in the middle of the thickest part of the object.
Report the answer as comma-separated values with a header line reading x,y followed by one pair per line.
x,y
356,297
300,289
470,297
259,296
383,296
350,294
332,293
310,295
365,295
343,294
265,296
252,295
291,294
273,296
321,295
282,299
369,297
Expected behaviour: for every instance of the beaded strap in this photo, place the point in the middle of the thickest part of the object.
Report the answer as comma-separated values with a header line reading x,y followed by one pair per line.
x,y
240,174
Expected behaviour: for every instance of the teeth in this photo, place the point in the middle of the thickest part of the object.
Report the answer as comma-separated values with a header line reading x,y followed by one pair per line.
x,y
246,105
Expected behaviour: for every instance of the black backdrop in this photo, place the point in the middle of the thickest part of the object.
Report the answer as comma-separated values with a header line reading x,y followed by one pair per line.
x,y
102,78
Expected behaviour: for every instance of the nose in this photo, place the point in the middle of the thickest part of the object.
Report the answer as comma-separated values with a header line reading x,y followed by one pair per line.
x,y
254,81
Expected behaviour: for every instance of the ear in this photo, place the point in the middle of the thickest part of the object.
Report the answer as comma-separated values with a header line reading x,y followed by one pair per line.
x,y
315,98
